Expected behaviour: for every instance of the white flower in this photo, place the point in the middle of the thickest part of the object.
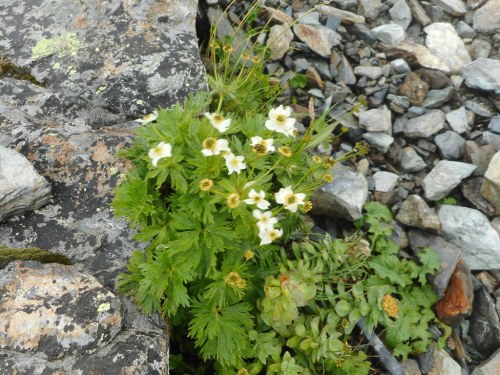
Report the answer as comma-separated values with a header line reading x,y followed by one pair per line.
x,y
218,121
163,150
234,163
280,121
265,220
212,146
262,146
257,199
148,118
290,200
269,235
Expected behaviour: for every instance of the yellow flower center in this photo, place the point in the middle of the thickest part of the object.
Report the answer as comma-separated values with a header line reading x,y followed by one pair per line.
x,y
157,151
327,178
307,206
206,184
285,151
390,306
210,143
217,118
234,280
290,199
233,200
274,235
234,162
281,119
260,149
249,254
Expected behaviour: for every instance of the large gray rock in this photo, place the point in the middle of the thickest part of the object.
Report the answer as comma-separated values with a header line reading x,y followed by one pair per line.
x,y
279,40
443,40
104,62
487,18
482,74
444,177
471,232
485,324
21,187
490,366
425,125
344,197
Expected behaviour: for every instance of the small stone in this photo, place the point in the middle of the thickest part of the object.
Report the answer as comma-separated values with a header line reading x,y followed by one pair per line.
x,y
483,74
494,124
277,15
345,16
410,367
457,81
458,298
458,120
376,120
444,364
280,37
436,98
346,73
480,156
484,323
465,31
370,72
400,65
444,177
453,7
419,12
487,18
471,190
492,139
414,212
471,232
425,125
450,145
344,197
308,18
391,34
401,14
319,38
436,79
411,162
414,88
399,101
21,187
443,41
489,282
491,185
370,8
449,256
381,141
421,55
314,79
490,366
385,181
480,107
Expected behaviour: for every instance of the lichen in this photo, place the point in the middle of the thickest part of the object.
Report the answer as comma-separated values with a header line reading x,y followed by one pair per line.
x,y
8,255
64,45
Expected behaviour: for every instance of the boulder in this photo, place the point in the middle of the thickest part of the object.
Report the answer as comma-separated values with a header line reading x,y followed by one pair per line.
x,y
444,177
487,18
482,74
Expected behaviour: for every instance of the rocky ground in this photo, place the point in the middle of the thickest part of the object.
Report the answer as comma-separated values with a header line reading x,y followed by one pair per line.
x,y
430,73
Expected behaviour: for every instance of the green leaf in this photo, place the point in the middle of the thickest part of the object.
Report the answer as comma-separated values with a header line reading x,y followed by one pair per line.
x,y
298,80
343,308
267,345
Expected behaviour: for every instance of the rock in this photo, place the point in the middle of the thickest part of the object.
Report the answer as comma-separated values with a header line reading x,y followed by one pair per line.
x,y
420,54
410,367
449,256
480,156
414,212
276,15
88,60
344,197
471,231
464,31
471,190
414,89
376,120
391,34
444,364
308,18
345,16
479,48
495,223
436,98
453,7
385,181
490,366
489,282
487,18
401,14
436,79
370,8
381,141
491,185
21,187
458,120
419,12
410,161
280,37
56,310
494,124
370,72
484,323
444,177
483,74
480,106
450,144
346,73
319,38
474,4
425,125
492,139
458,298
400,65
444,42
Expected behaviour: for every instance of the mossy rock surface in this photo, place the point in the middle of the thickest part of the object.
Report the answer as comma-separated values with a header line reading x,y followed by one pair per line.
x,y
8,255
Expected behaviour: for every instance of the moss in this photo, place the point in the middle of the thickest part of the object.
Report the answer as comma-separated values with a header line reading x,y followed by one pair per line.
x,y
8,255
8,69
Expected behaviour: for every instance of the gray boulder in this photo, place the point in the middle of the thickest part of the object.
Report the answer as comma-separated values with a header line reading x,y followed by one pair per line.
x,y
444,177
482,74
